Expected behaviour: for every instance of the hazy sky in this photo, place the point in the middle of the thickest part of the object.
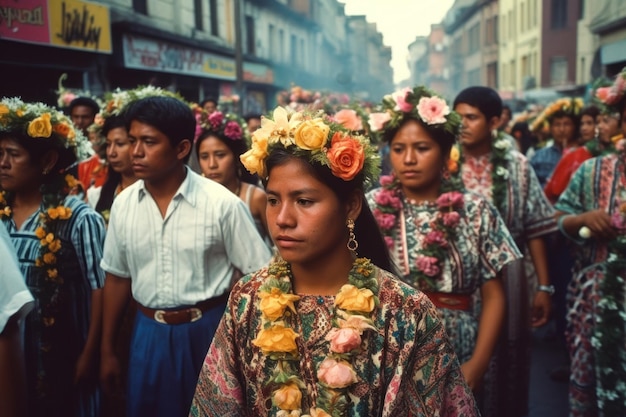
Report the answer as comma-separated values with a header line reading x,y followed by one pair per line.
x,y
400,21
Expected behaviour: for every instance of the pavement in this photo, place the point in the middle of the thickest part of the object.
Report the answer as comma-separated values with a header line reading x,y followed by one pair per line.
x,y
548,398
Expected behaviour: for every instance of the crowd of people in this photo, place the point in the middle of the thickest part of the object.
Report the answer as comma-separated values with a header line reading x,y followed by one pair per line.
x,y
329,258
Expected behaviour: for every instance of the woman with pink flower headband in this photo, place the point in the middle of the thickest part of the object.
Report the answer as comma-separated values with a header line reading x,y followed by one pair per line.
x,y
325,330
218,148
447,242
592,213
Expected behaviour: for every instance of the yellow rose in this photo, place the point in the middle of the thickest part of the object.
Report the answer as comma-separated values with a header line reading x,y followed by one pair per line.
x,y
54,246
49,258
455,155
273,304
277,338
40,232
288,397
4,110
40,127
352,298
311,134
254,159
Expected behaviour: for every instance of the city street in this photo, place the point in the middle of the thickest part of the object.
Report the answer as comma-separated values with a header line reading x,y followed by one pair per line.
x,y
547,397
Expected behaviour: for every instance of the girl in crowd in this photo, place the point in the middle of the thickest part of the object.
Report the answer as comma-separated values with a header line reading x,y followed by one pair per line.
x,y
592,212
119,158
219,147
324,331
59,242
449,243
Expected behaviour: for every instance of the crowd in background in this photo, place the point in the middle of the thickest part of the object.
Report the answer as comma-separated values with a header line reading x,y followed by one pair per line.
x,y
137,226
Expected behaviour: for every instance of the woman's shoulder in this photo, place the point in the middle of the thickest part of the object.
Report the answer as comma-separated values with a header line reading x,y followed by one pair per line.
x,y
397,296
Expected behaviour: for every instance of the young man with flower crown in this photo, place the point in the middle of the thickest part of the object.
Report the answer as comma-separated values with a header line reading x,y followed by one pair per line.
x,y
493,169
592,213
326,330
447,242
59,242
174,242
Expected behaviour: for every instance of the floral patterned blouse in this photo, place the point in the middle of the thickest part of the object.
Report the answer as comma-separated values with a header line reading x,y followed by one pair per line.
x,y
407,368
482,246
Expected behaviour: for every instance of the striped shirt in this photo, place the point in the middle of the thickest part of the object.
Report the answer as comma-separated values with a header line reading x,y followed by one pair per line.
x,y
190,254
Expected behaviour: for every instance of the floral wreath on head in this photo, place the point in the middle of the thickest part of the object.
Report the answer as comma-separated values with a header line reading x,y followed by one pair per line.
x,y
418,103
38,121
570,106
610,97
316,137
66,95
118,100
228,125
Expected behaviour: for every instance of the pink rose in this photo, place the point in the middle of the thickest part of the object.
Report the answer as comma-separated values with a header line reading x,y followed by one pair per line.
x,y
344,339
428,265
452,199
602,93
354,321
377,121
385,221
386,180
400,98
336,374
433,110
451,219
233,131
215,119
68,97
349,119
436,237
389,242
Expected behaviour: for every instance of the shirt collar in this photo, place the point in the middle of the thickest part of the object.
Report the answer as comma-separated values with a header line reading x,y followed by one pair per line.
x,y
185,190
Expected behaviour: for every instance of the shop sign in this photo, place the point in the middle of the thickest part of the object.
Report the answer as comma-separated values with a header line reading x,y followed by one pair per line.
x,y
155,55
72,24
257,73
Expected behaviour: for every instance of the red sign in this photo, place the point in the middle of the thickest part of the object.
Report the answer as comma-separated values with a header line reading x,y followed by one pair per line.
x,y
24,20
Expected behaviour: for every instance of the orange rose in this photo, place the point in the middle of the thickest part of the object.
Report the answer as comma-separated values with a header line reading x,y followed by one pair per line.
x,y
277,338
346,156
62,129
288,397
453,166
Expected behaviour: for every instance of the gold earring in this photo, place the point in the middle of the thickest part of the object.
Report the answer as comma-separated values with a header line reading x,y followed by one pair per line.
x,y
352,244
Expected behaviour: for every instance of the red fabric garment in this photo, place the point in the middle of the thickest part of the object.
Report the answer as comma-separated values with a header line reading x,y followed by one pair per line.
x,y
569,163
92,171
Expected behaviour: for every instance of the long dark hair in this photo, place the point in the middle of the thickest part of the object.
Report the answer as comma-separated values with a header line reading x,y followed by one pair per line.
x,y
371,242
107,194
237,147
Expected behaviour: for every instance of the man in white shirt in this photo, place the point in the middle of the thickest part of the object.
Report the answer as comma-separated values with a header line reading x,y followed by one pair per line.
x,y
15,303
175,239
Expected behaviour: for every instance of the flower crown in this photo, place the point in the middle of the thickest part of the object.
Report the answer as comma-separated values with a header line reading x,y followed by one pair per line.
x,y
610,97
228,125
317,137
38,120
66,95
419,103
119,99
570,106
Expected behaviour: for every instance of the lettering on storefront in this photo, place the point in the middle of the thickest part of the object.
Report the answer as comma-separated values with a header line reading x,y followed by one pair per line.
x,y
24,16
79,26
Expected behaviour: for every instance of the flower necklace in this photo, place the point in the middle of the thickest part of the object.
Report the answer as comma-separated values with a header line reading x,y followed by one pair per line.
x,y
430,259
609,336
499,173
49,282
354,305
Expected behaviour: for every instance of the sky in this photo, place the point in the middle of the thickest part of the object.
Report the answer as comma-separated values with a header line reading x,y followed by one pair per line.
x,y
400,21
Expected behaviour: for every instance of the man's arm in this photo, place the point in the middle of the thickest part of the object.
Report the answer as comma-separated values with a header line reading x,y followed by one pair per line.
x,y
116,294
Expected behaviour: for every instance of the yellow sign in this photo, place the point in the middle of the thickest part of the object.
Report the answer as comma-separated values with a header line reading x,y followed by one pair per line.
x,y
79,24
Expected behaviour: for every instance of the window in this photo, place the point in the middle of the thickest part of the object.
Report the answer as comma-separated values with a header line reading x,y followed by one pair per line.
x,y
294,50
281,45
522,17
272,42
558,70
197,6
581,9
250,36
140,6
213,16
559,14
474,38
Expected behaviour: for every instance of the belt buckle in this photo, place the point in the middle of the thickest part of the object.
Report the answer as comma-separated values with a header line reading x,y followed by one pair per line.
x,y
196,314
158,316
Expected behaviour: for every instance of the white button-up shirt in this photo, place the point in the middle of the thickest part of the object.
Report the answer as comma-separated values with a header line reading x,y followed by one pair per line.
x,y
190,254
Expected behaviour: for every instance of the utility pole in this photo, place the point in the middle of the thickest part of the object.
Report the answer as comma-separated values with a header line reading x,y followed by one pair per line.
x,y
239,87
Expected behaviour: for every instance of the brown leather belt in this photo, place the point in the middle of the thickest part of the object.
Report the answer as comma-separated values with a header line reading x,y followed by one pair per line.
x,y
450,301
182,315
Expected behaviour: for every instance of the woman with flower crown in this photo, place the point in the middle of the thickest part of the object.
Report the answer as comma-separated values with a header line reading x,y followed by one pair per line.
x,y
59,242
325,330
447,242
219,147
592,213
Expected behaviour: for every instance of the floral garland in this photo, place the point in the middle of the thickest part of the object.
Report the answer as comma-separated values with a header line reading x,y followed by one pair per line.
x,y
118,100
430,260
354,305
317,138
571,106
609,335
499,173
228,125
